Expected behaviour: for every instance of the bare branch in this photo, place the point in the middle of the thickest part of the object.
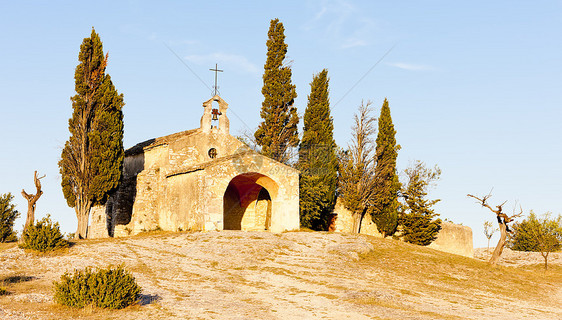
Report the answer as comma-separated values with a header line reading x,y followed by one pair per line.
x,y
482,201
357,166
503,220
26,195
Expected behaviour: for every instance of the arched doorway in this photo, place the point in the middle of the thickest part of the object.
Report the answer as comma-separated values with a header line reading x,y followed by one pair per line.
x,y
247,202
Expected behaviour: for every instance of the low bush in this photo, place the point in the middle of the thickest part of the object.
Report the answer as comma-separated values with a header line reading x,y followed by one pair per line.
x,y
43,236
112,288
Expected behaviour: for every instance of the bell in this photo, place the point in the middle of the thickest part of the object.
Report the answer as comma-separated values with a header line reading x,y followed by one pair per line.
x,y
216,114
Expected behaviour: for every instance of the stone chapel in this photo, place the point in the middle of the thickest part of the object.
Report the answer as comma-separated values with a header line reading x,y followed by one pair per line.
x,y
200,180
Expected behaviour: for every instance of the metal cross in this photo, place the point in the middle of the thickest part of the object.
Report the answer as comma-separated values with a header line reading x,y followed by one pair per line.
x,y
216,70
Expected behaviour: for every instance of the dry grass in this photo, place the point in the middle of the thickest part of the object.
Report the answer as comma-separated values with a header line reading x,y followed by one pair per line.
x,y
6,246
421,269
293,275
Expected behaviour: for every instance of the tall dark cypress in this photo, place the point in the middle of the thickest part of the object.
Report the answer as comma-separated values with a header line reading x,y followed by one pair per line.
x,y
385,201
317,158
277,133
92,158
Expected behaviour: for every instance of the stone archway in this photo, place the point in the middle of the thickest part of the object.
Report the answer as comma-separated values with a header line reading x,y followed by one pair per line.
x,y
247,202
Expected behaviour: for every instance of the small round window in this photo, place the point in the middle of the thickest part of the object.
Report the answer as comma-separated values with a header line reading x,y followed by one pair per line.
x,y
212,153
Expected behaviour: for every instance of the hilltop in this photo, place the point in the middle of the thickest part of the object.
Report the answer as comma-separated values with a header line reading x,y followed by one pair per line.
x,y
292,275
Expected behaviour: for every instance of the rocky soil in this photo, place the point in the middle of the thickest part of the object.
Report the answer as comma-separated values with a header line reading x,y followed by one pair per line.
x,y
294,275
518,258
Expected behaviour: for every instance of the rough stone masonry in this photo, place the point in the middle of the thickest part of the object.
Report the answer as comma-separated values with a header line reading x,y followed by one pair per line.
x,y
201,179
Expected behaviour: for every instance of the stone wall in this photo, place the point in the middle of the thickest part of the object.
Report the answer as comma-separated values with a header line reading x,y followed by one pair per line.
x,y
344,221
173,184
281,182
179,182
452,238
98,223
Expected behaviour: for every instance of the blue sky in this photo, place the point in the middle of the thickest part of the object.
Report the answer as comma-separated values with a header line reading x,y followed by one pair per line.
x,y
473,86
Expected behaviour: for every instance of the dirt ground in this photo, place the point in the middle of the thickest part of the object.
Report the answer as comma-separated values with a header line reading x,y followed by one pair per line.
x,y
518,258
293,275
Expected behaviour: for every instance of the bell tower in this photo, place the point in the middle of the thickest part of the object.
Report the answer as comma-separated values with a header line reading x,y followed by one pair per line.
x,y
214,119
212,115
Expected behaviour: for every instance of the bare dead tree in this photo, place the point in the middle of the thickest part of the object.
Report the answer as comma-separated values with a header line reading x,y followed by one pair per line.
x,y
32,200
357,167
503,220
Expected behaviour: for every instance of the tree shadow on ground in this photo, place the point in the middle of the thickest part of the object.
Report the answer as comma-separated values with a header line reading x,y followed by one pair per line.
x,y
145,299
17,279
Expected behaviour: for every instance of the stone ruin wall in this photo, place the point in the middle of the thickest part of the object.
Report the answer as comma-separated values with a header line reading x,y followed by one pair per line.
x,y
452,238
344,221
98,225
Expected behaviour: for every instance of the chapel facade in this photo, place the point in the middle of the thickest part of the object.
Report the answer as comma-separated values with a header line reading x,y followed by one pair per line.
x,y
200,180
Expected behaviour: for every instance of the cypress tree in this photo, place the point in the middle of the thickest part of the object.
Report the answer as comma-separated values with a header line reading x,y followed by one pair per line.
x,y
8,215
417,220
277,133
92,158
384,211
317,158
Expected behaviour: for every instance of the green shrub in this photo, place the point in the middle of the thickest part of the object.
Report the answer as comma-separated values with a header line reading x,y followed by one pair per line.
x,y
3,291
539,234
8,214
112,288
43,236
